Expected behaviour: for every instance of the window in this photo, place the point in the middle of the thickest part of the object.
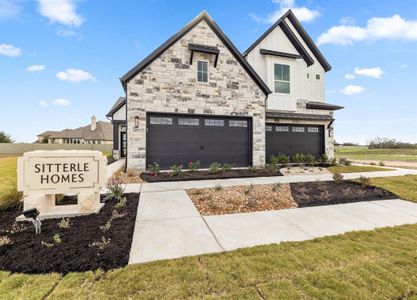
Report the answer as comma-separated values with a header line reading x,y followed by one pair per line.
x,y
202,71
298,129
282,128
213,122
188,121
318,76
238,123
268,128
313,129
282,78
161,121
308,75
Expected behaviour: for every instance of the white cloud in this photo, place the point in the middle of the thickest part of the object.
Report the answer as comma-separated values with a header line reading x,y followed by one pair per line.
x,y
370,72
75,75
43,104
303,13
60,11
352,90
349,76
61,102
403,66
10,50
9,9
390,28
35,68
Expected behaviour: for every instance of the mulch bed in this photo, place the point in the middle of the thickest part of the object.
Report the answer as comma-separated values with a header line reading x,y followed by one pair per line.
x,y
329,192
201,175
242,199
77,251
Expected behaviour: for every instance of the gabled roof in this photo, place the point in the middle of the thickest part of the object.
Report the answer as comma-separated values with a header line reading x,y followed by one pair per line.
x,y
172,40
300,30
103,131
119,103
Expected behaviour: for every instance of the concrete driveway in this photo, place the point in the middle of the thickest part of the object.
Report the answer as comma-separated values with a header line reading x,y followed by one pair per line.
x,y
169,226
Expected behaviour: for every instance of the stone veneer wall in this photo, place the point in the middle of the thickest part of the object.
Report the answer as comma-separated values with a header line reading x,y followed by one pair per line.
x,y
169,84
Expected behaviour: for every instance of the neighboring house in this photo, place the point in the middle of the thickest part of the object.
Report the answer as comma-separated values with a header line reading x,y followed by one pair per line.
x,y
95,133
197,97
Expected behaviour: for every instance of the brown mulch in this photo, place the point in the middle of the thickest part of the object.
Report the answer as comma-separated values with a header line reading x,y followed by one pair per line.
x,y
329,192
241,199
30,253
131,176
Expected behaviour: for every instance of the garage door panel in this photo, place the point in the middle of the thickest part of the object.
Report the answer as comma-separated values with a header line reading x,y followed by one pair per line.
x,y
180,144
291,142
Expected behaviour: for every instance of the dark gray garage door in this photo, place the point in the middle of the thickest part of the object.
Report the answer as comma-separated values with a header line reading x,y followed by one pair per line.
x,y
179,139
291,139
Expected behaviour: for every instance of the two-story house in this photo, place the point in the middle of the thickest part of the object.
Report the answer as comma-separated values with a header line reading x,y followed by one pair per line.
x,y
196,97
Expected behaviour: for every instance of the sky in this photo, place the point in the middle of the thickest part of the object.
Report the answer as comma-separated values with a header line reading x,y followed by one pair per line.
x,y
60,60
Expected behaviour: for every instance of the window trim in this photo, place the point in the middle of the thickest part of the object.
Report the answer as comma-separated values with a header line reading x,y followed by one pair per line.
x,y
208,78
283,81
214,119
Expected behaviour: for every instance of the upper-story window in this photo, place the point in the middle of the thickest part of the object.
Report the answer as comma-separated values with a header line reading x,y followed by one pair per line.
x,y
202,71
282,78
318,76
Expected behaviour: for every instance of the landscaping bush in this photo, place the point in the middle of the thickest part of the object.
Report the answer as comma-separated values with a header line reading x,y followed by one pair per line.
x,y
381,163
280,159
215,168
155,168
298,158
227,167
115,190
194,166
324,158
338,177
364,181
309,159
176,170
344,161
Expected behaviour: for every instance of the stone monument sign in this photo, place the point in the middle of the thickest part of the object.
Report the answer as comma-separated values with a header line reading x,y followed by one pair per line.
x,y
45,176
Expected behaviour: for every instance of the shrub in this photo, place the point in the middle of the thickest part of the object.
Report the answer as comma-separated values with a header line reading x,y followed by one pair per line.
x,y
116,215
121,204
218,187
5,240
309,159
324,158
344,161
115,190
333,162
64,223
227,167
11,199
338,177
280,159
364,181
298,158
373,164
215,168
194,166
107,226
176,170
155,168
251,169
248,189
56,238
381,163
101,244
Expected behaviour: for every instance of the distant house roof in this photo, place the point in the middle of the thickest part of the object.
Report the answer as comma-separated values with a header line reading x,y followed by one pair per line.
x,y
119,103
103,131
210,22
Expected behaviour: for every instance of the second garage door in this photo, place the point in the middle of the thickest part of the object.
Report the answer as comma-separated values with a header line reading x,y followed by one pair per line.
x,y
179,139
291,139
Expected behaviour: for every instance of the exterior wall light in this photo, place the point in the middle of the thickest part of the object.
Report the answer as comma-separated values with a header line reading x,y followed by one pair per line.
x,y
136,122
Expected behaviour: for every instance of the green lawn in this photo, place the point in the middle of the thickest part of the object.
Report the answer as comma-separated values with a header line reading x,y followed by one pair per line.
x,y
354,169
363,153
361,265
8,192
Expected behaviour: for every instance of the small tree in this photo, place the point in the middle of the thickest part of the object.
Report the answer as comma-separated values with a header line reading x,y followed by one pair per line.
x,y
5,138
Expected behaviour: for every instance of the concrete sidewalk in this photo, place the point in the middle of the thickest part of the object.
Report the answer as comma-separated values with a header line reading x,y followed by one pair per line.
x,y
169,226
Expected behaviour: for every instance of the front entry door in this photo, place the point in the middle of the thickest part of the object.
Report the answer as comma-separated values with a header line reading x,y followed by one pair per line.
x,y
123,144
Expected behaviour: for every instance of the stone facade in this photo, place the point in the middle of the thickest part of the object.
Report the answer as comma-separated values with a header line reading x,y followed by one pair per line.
x,y
169,84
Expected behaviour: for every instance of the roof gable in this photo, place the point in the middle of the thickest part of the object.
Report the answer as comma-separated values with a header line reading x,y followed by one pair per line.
x,y
294,40
116,106
225,40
